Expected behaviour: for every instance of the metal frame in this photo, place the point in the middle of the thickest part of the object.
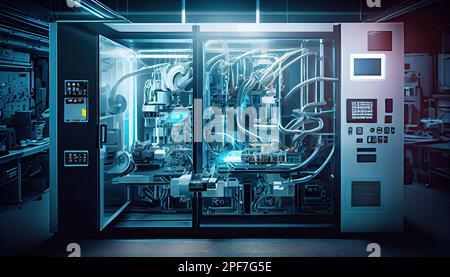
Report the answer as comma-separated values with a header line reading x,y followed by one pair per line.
x,y
275,31
272,31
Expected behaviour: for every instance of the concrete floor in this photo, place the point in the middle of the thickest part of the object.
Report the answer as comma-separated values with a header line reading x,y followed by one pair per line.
x,y
427,230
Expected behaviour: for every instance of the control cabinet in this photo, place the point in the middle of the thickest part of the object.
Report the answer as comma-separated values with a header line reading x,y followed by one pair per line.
x,y
227,127
372,127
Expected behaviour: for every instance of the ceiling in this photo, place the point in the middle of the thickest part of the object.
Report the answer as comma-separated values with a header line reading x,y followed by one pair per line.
x,y
230,11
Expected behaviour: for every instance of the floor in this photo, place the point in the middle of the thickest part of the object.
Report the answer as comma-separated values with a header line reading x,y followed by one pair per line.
x,y
427,230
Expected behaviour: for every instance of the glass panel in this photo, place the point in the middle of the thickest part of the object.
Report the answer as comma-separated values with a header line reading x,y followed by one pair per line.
x,y
269,127
146,103
118,115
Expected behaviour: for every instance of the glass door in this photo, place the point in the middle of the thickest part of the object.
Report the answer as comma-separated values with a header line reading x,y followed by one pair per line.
x,y
146,102
117,126
269,136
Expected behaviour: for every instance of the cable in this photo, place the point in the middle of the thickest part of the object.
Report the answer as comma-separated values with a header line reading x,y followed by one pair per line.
x,y
141,71
310,177
307,82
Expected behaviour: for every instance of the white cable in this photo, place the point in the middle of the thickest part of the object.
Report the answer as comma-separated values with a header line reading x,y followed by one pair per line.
x,y
307,82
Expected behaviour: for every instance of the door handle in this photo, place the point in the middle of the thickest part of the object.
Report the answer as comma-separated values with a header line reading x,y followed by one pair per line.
x,y
103,134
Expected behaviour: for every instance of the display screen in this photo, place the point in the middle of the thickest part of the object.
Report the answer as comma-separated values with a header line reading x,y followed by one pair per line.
x,y
367,67
362,110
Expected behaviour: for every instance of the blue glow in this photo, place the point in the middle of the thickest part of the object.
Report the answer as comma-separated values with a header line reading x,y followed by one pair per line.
x,y
177,117
233,156
245,102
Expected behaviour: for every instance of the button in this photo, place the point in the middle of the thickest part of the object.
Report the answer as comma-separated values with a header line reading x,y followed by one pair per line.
x,y
380,139
350,131
386,130
392,130
359,140
385,139
372,130
388,119
388,105
359,130
371,139
379,130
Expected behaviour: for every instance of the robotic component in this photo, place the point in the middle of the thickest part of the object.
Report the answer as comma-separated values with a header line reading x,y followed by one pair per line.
x,y
123,164
178,77
221,188
223,196
146,154
215,189
117,103
179,187
255,157
162,92
156,100
159,154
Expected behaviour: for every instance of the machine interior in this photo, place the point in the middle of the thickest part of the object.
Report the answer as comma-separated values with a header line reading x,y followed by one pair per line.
x,y
267,152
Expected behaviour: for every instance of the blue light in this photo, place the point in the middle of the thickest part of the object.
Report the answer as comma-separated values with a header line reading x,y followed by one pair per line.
x,y
233,156
177,117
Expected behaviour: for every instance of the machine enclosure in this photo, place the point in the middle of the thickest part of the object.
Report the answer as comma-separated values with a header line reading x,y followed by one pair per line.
x,y
368,195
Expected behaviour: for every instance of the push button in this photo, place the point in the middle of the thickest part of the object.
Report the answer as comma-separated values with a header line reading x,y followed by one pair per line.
x,y
392,130
350,131
379,130
387,130
371,139
389,106
359,130
388,119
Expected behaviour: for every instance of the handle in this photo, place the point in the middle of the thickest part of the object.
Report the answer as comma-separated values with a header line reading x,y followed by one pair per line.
x,y
103,134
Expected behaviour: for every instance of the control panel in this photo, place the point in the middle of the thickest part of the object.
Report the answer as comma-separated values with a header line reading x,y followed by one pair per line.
x,y
76,158
75,101
372,127
365,111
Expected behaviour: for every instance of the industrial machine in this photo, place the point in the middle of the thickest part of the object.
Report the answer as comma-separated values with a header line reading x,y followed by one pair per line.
x,y
226,126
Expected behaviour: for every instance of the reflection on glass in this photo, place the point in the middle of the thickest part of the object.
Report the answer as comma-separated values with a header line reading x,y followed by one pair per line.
x,y
272,150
